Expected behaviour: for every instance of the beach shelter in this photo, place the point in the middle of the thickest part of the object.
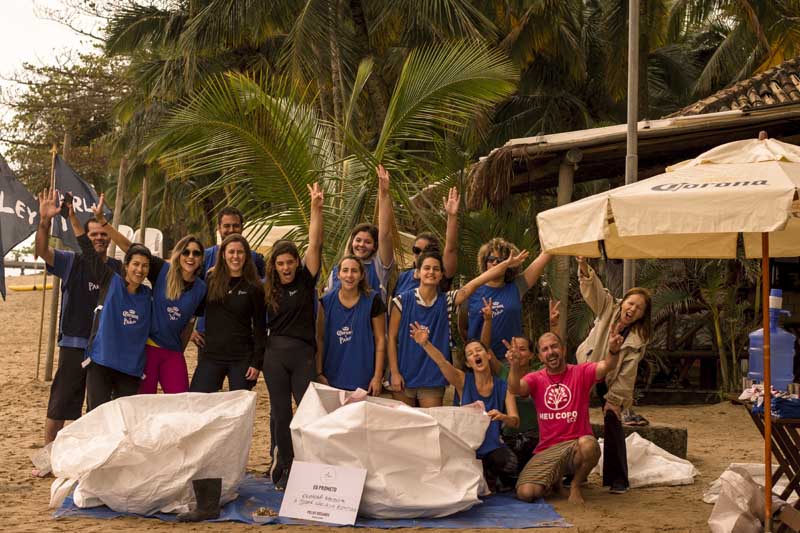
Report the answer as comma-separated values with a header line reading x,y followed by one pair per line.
x,y
696,209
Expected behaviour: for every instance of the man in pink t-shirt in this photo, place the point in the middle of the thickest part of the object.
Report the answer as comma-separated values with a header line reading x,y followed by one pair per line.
x,y
561,395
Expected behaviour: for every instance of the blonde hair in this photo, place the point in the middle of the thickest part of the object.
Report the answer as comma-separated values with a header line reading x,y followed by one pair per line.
x,y
504,248
175,285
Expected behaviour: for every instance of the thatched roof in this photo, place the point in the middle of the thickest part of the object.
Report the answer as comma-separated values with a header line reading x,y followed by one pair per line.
x,y
768,101
778,85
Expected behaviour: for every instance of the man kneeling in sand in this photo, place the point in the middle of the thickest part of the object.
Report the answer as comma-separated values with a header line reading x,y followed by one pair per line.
x,y
560,393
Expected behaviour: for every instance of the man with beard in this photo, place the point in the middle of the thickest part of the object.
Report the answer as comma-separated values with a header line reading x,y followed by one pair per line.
x,y
80,290
560,393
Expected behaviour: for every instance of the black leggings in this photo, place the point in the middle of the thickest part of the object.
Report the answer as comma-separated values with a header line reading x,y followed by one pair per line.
x,y
288,369
615,455
500,464
210,375
104,384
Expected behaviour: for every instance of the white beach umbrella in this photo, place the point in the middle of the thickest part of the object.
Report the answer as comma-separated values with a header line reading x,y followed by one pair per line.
x,y
696,209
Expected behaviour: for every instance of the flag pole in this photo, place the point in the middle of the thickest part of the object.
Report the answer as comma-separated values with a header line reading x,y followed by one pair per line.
x,y
53,152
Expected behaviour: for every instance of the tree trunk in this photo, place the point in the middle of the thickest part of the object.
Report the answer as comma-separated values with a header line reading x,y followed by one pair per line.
x,y
376,85
336,73
119,197
644,56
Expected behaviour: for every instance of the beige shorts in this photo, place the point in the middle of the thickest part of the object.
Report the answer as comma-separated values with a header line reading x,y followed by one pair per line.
x,y
548,467
423,392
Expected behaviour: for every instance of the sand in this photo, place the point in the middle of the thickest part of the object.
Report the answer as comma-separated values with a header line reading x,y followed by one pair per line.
x,y
718,435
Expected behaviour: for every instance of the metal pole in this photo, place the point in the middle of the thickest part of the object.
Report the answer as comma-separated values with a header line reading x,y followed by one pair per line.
x,y
632,158
767,383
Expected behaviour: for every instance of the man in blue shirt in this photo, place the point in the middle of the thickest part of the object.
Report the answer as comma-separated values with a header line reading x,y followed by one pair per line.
x,y
80,291
229,221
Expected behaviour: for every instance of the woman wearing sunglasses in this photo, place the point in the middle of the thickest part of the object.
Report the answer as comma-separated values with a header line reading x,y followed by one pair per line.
x,y
373,245
505,292
178,296
408,279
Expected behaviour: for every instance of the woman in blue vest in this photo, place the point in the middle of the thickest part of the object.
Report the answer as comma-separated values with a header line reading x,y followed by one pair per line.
x,y
115,356
351,332
178,296
499,462
427,241
505,291
415,379
373,245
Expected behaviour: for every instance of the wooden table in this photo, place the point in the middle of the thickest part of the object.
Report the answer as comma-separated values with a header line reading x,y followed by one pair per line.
x,y
785,448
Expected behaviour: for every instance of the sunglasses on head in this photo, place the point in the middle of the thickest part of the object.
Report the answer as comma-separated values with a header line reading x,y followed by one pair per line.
x,y
194,253
416,250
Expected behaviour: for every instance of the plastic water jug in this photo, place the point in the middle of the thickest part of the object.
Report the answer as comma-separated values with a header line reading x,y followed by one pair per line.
x,y
782,348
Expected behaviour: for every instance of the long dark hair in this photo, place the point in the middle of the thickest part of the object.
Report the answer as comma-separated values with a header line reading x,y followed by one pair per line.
x,y
372,229
219,279
643,326
272,283
363,284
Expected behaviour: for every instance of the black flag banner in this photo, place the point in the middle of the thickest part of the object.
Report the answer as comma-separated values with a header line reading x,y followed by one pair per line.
x,y
84,200
19,215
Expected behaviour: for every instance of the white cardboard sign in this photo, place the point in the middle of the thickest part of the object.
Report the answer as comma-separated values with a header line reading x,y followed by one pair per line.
x,y
323,493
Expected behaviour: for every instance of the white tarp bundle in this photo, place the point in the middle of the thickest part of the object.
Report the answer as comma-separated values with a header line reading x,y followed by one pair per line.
x,y
419,462
756,473
649,465
139,454
740,504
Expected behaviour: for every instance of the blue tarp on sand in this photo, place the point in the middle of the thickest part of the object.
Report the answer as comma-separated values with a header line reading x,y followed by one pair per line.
x,y
500,511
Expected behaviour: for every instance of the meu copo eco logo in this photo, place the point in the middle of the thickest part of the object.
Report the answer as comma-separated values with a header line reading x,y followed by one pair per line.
x,y
672,187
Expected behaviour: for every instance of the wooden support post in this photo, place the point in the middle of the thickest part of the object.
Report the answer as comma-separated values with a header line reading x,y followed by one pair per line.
x,y
765,284
566,179
119,197
143,215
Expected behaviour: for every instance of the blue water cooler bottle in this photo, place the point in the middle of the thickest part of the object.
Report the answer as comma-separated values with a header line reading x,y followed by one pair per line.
x,y
782,344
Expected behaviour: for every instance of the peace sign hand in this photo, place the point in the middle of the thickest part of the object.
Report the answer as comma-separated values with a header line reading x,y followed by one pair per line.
x,y
486,310
616,339
99,214
317,196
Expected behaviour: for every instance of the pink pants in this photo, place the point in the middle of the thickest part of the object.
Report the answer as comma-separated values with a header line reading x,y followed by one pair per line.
x,y
165,367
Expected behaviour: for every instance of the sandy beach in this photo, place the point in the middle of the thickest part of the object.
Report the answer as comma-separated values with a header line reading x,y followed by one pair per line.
x,y
718,435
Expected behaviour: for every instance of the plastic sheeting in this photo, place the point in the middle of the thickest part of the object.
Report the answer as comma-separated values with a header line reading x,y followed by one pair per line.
x,y
138,454
649,465
419,462
756,473
740,504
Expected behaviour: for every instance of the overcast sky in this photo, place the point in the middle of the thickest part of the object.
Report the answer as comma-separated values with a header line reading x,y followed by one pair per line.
x,y
24,37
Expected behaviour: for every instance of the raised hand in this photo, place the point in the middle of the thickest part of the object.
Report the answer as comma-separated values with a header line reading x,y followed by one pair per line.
x,y
99,215
317,196
583,266
615,340
452,202
486,310
513,261
554,312
48,204
419,333
512,353
383,180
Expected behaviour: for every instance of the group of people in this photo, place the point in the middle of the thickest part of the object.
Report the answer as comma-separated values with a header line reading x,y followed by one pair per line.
x,y
247,315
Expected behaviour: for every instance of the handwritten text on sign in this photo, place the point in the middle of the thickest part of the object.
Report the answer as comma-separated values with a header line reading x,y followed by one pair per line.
x,y
323,493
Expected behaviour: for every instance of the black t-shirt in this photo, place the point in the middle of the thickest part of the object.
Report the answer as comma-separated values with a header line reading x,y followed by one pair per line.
x,y
295,314
235,326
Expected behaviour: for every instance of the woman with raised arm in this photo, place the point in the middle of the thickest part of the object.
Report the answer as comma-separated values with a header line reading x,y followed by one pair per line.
x,y
415,379
178,296
235,321
351,332
499,462
426,241
373,245
631,317
289,359
506,292
116,351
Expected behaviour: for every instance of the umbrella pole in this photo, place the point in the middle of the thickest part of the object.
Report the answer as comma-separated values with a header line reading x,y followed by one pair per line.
x,y
767,383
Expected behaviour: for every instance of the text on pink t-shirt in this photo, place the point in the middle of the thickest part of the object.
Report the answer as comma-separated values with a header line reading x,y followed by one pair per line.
x,y
562,403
